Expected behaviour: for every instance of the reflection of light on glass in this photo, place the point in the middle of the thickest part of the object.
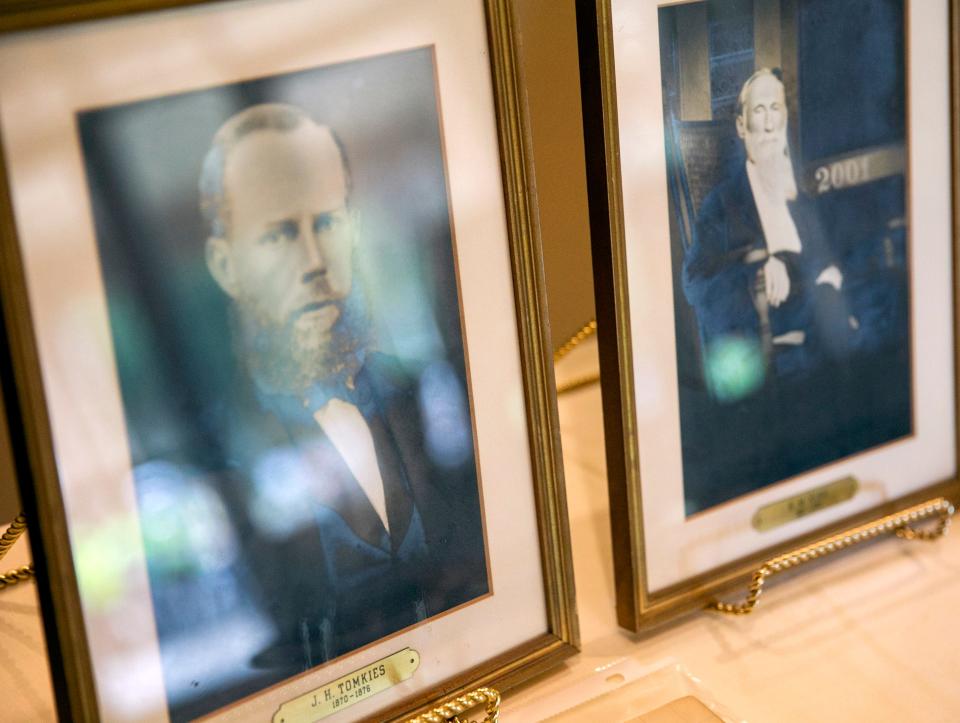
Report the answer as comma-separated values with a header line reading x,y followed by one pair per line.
x,y
185,526
281,501
734,368
397,290
445,416
208,623
102,557
128,690
214,655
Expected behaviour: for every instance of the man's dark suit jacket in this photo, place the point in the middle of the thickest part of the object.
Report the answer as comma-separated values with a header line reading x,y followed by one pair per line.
x,y
341,582
719,281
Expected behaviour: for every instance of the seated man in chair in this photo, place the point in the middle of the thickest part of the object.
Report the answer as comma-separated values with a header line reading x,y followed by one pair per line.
x,y
760,269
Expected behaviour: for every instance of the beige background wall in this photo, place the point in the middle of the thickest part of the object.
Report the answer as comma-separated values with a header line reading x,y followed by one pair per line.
x,y
550,67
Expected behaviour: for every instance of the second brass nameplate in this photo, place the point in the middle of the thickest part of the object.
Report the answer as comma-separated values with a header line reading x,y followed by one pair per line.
x,y
779,513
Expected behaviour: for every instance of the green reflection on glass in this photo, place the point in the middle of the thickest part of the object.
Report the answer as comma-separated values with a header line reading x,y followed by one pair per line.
x,y
734,368
103,557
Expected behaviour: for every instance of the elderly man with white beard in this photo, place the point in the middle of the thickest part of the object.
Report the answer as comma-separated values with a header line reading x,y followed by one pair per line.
x,y
760,271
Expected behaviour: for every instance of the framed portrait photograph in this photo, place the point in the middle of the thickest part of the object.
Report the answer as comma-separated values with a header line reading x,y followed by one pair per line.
x,y
773,216
276,356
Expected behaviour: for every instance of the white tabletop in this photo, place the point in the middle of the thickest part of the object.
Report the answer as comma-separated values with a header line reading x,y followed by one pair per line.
x,y
866,637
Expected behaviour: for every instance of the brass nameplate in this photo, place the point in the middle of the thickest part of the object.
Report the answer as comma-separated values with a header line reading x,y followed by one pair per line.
x,y
350,689
779,513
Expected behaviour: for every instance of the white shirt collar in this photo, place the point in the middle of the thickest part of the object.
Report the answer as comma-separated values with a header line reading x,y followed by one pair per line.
x,y
348,431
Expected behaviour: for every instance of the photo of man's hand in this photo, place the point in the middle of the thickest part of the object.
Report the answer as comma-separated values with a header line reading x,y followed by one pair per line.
x,y
776,281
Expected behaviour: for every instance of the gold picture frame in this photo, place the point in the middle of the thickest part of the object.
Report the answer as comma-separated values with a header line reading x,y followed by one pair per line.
x,y
607,71
35,429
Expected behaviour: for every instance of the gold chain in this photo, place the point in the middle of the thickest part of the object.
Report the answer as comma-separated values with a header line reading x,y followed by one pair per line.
x,y
898,524
12,577
450,711
10,536
586,331
577,382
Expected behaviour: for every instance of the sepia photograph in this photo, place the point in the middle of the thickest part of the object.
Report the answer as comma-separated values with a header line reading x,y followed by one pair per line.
x,y
279,270
784,126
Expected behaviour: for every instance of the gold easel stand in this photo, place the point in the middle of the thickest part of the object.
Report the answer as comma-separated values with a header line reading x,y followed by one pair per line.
x,y
586,331
11,535
451,711
898,524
